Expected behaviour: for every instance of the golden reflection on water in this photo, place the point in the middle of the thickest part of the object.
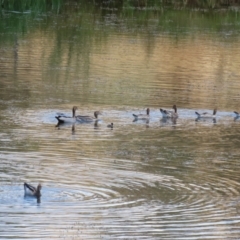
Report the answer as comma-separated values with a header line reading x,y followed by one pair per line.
x,y
194,72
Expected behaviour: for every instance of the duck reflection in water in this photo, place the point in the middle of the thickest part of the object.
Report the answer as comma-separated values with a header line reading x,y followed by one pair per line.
x,y
96,125
147,123
73,129
213,120
168,121
31,191
61,125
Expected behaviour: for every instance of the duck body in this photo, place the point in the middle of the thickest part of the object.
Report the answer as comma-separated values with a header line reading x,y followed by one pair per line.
x,y
88,119
237,114
62,118
142,116
65,119
165,113
32,191
207,115
169,114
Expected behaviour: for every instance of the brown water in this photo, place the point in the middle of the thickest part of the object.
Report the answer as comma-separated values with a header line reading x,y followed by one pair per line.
x,y
140,180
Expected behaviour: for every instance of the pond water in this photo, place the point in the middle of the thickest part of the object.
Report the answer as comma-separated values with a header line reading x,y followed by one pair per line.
x,y
140,180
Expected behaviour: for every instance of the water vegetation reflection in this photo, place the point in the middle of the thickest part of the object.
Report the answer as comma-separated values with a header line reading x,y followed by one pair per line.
x,y
25,6
56,5
114,14
207,4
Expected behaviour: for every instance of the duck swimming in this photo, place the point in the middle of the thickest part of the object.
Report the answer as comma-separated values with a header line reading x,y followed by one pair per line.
x,y
169,114
142,116
110,125
207,115
32,191
237,114
88,119
62,118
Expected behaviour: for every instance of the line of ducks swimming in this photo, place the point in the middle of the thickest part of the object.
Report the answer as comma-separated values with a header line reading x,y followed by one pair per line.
x,y
62,118
173,114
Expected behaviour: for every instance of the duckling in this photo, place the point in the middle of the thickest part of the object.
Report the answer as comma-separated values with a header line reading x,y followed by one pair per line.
x,y
207,115
62,118
169,114
32,191
110,125
142,116
88,119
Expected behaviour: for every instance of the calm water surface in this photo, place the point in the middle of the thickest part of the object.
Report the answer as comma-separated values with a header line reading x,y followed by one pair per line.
x,y
140,180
